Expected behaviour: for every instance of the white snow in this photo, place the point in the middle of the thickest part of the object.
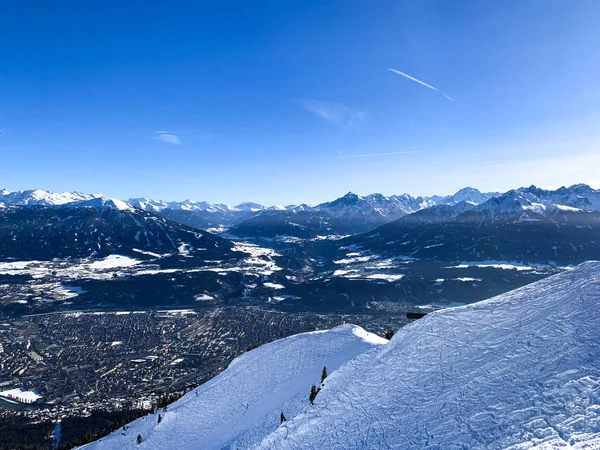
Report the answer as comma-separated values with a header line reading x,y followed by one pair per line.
x,y
568,208
344,273
112,261
353,260
21,395
492,264
518,371
241,406
274,285
260,260
144,252
386,277
185,249
42,198
280,298
356,273
467,279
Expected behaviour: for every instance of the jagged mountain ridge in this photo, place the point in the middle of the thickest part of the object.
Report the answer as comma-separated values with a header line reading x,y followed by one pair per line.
x,y
346,215
350,214
527,226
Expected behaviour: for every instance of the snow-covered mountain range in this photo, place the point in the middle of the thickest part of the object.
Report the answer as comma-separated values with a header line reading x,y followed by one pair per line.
x,y
389,205
579,196
527,224
347,215
517,371
350,214
37,197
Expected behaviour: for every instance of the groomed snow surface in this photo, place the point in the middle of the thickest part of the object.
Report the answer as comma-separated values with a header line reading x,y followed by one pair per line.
x,y
518,371
239,407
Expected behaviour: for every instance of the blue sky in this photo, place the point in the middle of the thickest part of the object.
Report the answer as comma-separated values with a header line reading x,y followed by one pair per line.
x,y
256,100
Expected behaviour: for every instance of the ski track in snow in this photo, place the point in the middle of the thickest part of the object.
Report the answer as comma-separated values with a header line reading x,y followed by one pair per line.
x,y
519,371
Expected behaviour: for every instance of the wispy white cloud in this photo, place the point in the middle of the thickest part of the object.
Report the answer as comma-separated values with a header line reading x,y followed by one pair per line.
x,y
168,137
336,113
5,135
368,155
422,83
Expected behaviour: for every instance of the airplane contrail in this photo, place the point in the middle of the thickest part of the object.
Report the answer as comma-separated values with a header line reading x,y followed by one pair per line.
x,y
4,133
366,155
405,75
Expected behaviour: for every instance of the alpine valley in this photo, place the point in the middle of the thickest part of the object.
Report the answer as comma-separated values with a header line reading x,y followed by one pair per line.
x,y
112,309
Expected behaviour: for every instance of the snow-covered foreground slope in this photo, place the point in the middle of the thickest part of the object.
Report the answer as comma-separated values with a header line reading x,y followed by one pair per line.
x,y
519,371
239,407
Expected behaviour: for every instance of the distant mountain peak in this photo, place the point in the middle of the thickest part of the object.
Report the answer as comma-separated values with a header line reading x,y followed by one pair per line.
x,y
249,206
351,196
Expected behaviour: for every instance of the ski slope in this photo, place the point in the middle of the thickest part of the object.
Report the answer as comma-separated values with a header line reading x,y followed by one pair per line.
x,y
240,406
518,371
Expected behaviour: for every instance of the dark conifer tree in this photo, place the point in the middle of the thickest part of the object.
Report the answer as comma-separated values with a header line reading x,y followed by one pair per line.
x,y
389,334
159,418
139,439
282,417
323,374
313,394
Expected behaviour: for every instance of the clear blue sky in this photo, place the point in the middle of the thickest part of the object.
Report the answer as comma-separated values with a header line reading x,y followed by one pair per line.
x,y
253,100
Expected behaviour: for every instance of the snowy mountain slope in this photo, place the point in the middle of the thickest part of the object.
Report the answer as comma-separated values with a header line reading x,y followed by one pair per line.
x,y
37,197
527,225
243,404
186,205
350,214
579,196
468,195
104,227
203,215
346,215
518,371
531,203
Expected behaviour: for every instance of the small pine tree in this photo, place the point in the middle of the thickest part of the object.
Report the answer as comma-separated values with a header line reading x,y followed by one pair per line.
x,y
159,418
313,394
139,439
323,374
282,417
389,334
165,408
